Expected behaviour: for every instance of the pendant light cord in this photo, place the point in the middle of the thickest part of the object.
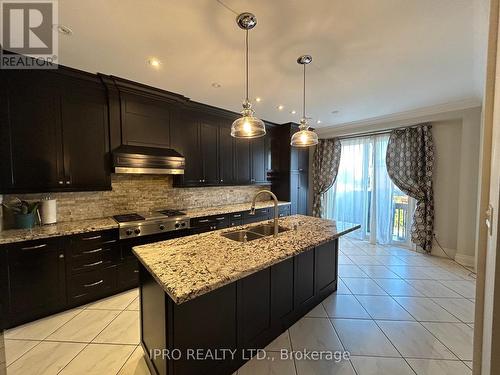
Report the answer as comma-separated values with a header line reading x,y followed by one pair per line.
x,y
304,99
246,62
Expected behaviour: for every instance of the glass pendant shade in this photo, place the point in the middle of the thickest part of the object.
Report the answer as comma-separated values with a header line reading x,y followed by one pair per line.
x,y
248,126
304,137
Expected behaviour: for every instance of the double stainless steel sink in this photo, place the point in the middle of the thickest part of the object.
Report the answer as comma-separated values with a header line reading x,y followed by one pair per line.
x,y
253,233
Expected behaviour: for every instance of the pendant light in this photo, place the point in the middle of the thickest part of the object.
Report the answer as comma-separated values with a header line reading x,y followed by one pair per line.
x,y
247,126
304,137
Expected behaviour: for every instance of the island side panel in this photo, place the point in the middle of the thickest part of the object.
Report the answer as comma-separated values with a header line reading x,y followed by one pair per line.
x,y
154,321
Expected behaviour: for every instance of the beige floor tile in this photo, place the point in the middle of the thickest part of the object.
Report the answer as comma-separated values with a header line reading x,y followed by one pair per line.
x,y
272,365
410,272
425,309
350,270
364,260
438,367
381,272
390,260
324,367
383,308
458,337
381,366
468,364
342,288
123,330
344,259
354,251
462,308
136,364
99,359
134,305
281,342
466,289
344,306
47,358
14,349
363,337
84,327
314,334
317,312
433,288
364,287
40,329
411,339
116,302
398,288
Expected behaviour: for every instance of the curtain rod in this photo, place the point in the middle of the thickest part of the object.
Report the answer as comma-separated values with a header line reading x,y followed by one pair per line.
x,y
376,132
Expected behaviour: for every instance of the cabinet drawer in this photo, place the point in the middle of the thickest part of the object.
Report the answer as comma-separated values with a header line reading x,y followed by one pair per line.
x,y
284,211
99,258
93,240
217,221
260,212
91,285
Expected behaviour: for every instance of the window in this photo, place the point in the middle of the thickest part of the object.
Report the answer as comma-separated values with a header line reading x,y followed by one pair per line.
x,y
364,194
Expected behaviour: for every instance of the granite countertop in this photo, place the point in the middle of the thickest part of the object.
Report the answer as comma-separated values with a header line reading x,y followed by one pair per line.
x,y
91,225
191,266
55,230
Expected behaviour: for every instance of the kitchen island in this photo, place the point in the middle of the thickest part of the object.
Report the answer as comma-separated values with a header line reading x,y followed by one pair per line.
x,y
207,301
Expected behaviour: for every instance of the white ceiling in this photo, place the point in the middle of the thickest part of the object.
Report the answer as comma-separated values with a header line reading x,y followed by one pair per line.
x,y
370,57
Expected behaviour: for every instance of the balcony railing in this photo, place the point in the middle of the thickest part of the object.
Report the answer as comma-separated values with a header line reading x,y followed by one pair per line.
x,y
400,215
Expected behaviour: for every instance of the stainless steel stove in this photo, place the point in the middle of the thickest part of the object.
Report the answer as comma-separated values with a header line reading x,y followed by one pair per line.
x,y
154,222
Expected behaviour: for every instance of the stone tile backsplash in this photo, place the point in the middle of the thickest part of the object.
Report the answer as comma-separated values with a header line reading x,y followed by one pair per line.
x,y
132,193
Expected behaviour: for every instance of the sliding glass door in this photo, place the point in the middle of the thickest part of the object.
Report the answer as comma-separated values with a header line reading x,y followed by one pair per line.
x,y
364,194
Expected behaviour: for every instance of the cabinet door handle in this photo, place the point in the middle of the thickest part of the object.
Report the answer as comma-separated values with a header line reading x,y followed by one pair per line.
x,y
220,218
91,238
136,271
203,221
221,180
93,264
68,182
61,182
93,284
92,251
61,256
34,247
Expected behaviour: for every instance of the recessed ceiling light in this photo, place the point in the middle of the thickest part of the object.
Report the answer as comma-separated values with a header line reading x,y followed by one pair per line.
x,y
65,30
154,62
280,107
258,100
318,122
293,111
216,85
335,112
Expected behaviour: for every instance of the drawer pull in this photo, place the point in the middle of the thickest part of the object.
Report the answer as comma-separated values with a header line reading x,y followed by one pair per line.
x,y
203,221
92,251
220,218
93,284
34,247
237,215
93,264
136,271
91,238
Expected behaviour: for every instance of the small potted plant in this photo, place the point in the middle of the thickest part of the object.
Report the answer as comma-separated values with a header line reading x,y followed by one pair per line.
x,y
25,213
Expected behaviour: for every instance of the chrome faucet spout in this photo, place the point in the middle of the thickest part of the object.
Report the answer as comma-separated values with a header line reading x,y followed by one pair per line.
x,y
276,209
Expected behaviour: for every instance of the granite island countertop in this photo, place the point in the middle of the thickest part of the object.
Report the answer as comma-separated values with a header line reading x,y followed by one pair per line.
x,y
67,228
191,266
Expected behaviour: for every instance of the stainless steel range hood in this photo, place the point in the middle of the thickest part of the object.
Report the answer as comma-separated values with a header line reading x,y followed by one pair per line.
x,y
147,160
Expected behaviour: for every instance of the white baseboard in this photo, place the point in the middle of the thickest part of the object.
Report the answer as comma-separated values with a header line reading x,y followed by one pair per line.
x,y
466,260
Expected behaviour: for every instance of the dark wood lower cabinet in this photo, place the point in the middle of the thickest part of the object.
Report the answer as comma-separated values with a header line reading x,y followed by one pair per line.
x,y
232,322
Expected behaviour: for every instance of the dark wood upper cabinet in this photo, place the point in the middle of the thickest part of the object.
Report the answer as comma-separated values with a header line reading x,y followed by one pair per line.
x,y
226,155
55,134
145,121
209,141
186,140
85,127
259,167
242,162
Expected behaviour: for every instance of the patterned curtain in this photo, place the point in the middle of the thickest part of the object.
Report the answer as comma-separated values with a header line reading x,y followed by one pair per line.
x,y
410,164
325,168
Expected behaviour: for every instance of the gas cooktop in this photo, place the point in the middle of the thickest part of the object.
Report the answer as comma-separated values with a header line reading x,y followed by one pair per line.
x,y
152,222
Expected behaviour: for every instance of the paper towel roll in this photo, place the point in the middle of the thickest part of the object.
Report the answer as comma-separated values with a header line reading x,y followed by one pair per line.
x,y
48,211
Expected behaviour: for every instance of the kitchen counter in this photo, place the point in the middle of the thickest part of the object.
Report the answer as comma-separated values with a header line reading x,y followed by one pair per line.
x,y
91,225
191,266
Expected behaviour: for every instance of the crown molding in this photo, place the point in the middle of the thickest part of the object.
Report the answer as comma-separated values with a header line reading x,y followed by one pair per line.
x,y
432,113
